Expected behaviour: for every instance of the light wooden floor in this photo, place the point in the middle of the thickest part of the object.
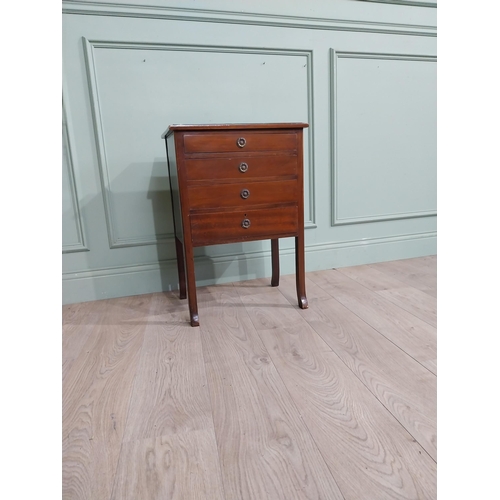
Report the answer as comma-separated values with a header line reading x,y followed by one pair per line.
x,y
264,400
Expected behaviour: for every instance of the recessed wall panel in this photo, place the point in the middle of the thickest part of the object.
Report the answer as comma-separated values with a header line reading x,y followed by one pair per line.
x,y
384,152
72,231
140,90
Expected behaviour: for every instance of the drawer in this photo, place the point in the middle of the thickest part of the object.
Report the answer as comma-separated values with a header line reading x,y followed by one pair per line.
x,y
243,194
239,141
243,225
242,168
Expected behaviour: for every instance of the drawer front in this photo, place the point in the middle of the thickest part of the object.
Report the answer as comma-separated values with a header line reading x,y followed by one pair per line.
x,y
241,167
243,194
243,225
239,142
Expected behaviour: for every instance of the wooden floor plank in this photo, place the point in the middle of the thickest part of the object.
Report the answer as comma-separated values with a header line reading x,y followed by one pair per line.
x,y
402,385
426,265
416,337
372,278
429,261
170,392
371,455
281,314
420,304
96,391
265,449
264,400
313,291
249,287
79,321
411,273
169,448
175,466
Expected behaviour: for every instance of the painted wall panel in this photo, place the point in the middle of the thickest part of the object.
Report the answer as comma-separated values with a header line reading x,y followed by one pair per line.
x,y
139,90
72,226
132,68
385,127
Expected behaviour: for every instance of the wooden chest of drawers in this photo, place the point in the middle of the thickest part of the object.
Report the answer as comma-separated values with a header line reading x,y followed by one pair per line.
x,y
234,183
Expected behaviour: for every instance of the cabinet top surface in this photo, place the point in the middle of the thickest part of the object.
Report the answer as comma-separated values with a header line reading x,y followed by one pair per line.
x,y
232,126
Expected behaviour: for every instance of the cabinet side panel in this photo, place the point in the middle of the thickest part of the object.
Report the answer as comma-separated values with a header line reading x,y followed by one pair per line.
x,y
174,186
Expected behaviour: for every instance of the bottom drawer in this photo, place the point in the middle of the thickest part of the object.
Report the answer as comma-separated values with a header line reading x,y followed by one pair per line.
x,y
243,225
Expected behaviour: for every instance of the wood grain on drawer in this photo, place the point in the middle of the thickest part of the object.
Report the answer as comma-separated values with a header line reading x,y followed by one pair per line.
x,y
241,167
228,142
243,194
219,227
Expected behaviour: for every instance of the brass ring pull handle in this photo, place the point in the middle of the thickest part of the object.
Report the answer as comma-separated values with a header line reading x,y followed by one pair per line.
x,y
245,223
243,167
241,142
245,193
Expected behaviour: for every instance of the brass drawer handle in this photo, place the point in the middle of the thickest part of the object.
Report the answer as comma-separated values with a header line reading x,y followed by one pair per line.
x,y
243,167
241,142
245,223
245,193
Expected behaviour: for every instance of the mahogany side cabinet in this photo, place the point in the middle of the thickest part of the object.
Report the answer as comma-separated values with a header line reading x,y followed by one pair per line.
x,y
231,183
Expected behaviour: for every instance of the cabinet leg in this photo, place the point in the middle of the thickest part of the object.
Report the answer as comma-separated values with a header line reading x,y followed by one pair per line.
x,y
300,271
179,250
191,285
275,257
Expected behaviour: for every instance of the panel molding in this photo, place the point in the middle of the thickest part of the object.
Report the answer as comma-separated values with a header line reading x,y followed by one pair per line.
x,y
254,19
411,3
90,45
334,56
80,246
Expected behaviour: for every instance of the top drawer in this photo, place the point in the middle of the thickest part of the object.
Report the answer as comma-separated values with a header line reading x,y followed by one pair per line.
x,y
239,141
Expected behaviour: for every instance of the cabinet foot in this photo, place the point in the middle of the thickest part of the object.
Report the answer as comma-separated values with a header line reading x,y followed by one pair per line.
x,y
195,320
303,304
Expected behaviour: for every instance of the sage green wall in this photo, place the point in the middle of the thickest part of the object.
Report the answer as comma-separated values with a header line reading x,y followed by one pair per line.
x,y
361,73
